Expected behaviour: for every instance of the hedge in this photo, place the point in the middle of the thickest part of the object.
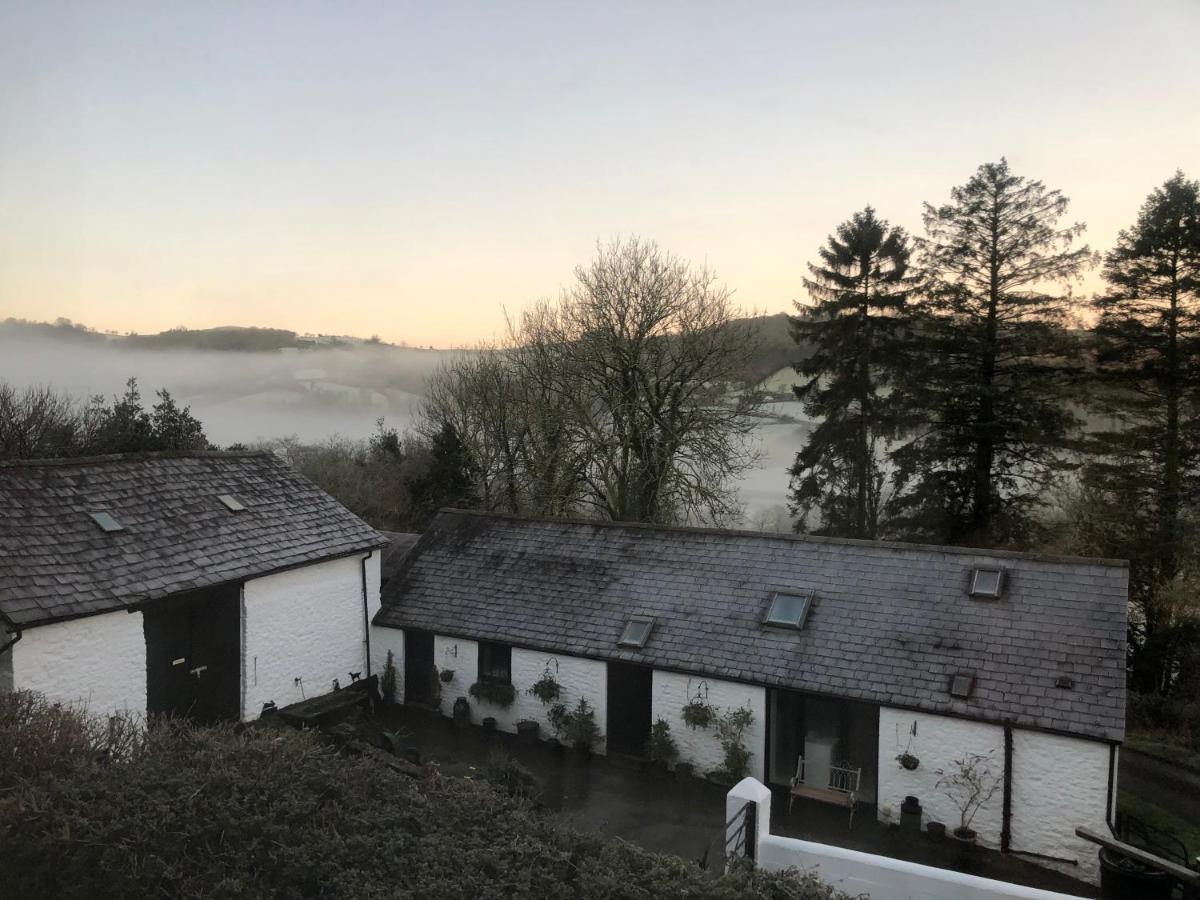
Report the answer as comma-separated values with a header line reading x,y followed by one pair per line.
x,y
235,811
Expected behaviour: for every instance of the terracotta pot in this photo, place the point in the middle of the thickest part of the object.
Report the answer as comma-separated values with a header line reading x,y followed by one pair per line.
x,y
936,831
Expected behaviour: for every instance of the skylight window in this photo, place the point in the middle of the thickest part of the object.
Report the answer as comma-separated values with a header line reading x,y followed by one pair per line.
x,y
987,582
962,685
637,632
106,522
232,503
788,610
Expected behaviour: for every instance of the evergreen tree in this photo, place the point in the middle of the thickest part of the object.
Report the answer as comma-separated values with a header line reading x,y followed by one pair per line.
x,y
987,375
175,428
1147,466
448,479
860,286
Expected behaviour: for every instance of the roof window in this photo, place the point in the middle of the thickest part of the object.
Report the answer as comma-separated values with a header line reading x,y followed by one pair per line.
x,y
637,632
106,522
987,582
232,503
788,610
962,685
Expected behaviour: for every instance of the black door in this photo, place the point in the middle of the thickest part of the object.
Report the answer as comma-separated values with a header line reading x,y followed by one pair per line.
x,y
194,655
628,708
418,666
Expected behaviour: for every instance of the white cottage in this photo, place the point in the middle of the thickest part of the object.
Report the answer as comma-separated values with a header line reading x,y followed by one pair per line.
x,y
203,585
850,654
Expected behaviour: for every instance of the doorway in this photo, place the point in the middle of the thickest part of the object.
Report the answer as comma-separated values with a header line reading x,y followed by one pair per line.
x,y
827,732
418,667
629,689
194,655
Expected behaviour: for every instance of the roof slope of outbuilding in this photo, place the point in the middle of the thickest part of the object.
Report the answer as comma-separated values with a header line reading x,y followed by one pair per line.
x,y
890,623
393,555
56,562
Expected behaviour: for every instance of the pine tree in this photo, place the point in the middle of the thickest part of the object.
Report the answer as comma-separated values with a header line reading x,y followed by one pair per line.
x,y
987,377
860,286
1147,467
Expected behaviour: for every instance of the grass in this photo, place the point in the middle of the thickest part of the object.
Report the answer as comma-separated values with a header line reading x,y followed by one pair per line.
x,y
1161,818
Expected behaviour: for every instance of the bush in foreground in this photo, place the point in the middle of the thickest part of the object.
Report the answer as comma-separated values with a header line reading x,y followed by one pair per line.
x,y
192,812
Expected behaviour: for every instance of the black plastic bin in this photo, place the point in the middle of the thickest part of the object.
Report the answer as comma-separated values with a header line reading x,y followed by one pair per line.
x,y
1122,878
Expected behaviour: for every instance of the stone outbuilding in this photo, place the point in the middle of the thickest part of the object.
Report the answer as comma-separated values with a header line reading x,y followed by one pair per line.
x,y
202,585
891,661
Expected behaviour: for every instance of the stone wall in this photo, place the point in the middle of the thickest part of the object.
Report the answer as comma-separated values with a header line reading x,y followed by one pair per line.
x,y
305,624
97,662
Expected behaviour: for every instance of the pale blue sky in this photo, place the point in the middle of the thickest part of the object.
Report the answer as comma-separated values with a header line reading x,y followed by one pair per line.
x,y
408,170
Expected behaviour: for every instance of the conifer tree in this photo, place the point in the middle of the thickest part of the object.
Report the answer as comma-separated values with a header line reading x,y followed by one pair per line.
x,y
1146,467
987,377
859,285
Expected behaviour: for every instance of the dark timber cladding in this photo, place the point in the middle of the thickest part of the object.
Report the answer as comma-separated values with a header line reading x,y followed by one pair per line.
x,y
193,655
176,534
889,623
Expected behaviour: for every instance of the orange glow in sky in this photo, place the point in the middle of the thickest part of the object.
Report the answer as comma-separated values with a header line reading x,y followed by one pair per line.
x,y
413,170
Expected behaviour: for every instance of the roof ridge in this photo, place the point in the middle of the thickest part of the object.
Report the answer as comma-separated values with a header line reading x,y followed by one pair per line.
x,y
903,546
134,457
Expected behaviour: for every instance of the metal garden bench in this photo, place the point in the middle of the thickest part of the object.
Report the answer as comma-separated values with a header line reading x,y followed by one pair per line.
x,y
842,789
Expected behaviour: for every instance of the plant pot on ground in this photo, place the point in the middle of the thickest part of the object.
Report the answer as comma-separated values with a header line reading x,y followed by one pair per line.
x,y
684,771
910,815
527,730
462,712
489,723
936,831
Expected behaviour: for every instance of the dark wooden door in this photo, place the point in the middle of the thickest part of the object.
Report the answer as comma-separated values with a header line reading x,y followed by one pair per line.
x,y
193,655
418,666
629,689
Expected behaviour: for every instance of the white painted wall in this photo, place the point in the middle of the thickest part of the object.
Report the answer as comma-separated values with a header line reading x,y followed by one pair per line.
x,y
865,874
700,746
98,662
939,741
577,677
305,623
1059,784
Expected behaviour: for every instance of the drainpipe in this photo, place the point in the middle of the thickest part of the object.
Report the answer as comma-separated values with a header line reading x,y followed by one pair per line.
x,y
1006,826
1112,776
366,615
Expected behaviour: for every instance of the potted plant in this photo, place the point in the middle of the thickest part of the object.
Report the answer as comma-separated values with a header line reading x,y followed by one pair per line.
x,y
527,730
447,676
580,728
731,732
908,761
387,683
969,784
462,712
661,749
698,713
489,723
546,688
497,693
936,831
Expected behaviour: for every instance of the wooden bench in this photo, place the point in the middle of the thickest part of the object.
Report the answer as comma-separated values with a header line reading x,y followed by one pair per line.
x,y
842,789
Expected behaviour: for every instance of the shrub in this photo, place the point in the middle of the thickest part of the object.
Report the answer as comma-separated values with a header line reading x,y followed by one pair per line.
x,y
580,727
557,716
661,746
387,683
498,693
509,775
435,687
191,812
731,732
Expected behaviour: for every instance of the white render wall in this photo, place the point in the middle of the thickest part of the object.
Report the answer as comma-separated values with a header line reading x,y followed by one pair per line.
x,y
304,623
700,746
97,662
1059,784
939,741
577,677
382,640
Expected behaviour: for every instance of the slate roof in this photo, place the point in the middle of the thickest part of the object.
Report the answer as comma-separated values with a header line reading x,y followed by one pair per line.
x,y
400,542
890,623
56,563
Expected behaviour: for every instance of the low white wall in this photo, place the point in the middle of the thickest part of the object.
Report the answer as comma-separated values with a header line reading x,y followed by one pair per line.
x,y
939,741
305,623
1059,784
857,873
98,662
700,746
